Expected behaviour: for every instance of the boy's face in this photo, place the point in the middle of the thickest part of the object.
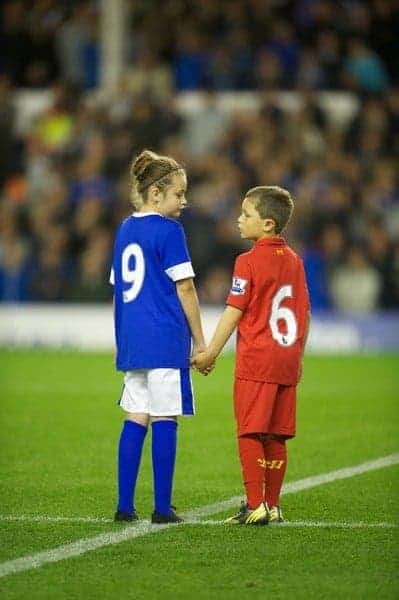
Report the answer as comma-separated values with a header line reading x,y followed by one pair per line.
x,y
173,199
251,224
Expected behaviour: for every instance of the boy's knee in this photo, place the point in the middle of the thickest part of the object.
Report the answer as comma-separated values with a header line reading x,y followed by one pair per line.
x,y
278,437
251,436
265,436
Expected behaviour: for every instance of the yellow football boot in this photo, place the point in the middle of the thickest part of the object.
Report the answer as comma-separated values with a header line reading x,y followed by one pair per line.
x,y
275,515
246,516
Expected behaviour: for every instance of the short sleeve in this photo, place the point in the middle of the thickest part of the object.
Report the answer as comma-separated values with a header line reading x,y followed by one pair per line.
x,y
175,256
240,292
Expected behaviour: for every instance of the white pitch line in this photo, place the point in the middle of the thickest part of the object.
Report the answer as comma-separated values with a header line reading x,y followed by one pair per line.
x,y
320,524
79,547
340,524
142,528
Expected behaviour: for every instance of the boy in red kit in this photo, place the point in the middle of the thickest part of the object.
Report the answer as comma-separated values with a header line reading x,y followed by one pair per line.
x,y
269,302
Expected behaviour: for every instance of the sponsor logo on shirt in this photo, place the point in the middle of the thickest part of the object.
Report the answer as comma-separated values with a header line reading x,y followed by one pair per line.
x,y
238,287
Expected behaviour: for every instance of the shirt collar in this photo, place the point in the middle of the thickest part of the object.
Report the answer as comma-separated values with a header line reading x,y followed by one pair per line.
x,y
273,241
146,214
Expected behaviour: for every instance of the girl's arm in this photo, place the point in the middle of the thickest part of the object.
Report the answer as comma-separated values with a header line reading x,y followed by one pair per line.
x,y
307,327
187,295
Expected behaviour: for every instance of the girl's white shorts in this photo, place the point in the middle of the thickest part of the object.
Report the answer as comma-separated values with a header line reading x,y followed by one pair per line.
x,y
158,392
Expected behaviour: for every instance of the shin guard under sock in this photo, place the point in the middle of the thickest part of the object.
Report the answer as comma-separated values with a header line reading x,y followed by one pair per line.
x,y
129,458
276,465
164,442
252,463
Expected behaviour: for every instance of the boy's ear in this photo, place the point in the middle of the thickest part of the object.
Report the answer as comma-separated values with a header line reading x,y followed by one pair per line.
x,y
269,225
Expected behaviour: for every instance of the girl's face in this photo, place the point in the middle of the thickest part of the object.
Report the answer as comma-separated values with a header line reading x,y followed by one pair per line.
x,y
173,199
251,224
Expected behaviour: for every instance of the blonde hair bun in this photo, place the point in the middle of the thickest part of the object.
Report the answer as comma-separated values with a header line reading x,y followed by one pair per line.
x,y
141,163
150,168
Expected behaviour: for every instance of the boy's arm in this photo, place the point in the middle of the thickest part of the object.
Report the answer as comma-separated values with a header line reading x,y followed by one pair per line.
x,y
227,323
187,295
305,339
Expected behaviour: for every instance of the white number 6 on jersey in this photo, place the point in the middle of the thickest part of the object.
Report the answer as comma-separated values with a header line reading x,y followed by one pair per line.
x,y
134,276
285,314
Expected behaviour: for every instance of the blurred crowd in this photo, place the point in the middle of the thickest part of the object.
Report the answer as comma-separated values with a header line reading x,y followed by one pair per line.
x,y
64,182
216,44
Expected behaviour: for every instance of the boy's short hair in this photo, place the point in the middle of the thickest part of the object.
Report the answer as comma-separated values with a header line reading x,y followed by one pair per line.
x,y
272,202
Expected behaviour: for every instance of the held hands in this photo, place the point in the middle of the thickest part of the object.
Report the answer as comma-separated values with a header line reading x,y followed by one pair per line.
x,y
202,361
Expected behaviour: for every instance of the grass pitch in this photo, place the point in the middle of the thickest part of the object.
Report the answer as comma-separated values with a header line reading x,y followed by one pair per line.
x,y
60,426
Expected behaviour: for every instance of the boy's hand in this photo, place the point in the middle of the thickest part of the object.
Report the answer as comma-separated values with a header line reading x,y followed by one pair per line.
x,y
203,361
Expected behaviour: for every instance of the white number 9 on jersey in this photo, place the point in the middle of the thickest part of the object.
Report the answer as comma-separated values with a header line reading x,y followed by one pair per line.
x,y
285,314
134,276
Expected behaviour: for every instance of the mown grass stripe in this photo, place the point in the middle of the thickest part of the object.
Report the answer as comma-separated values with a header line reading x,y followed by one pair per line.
x,y
54,519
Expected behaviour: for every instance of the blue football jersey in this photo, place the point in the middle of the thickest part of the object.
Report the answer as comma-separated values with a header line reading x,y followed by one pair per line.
x,y
151,329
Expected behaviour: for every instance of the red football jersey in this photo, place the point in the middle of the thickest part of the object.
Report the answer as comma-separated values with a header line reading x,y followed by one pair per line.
x,y
269,286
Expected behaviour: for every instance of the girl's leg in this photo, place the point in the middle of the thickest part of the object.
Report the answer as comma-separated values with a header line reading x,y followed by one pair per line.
x,y
164,442
129,457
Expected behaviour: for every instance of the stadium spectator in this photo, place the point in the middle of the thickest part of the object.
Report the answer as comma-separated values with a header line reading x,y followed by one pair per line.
x,y
205,127
48,280
191,61
15,43
380,252
93,269
70,39
214,285
355,284
149,76
14,259
364,69
9,155
316,274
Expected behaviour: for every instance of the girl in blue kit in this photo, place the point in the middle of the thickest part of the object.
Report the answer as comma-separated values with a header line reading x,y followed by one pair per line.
x,y
157,320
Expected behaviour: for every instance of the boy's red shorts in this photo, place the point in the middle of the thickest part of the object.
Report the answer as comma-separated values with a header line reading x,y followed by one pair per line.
x,y
264,407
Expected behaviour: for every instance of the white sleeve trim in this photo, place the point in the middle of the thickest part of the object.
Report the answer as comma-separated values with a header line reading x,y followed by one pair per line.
x,y
182,271
112,277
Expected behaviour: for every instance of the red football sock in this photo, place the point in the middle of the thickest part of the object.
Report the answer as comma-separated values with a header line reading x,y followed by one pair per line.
x,y
276,465
252,459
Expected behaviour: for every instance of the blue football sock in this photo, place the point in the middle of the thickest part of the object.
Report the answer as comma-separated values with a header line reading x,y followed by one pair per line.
x,y
130,448
164,438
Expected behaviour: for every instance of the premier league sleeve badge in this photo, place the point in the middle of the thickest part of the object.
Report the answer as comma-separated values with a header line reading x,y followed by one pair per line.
x,y
238,286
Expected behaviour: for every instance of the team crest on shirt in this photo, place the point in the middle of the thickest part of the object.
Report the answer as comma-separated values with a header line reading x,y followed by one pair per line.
x,y
238,287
